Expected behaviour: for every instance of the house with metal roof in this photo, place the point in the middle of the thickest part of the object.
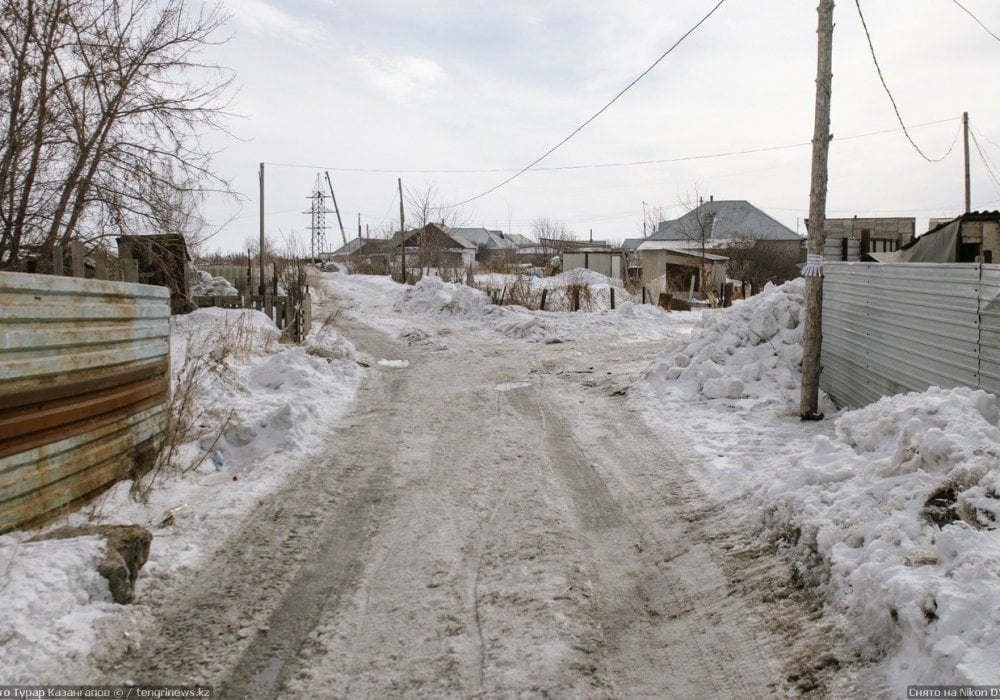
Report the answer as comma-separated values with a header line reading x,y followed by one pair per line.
x,y
721,223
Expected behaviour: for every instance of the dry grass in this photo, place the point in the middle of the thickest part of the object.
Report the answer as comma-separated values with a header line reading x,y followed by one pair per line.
x,y
206,363
522,293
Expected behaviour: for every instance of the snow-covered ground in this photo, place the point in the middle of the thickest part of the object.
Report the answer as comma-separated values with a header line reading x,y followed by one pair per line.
x,y
890,511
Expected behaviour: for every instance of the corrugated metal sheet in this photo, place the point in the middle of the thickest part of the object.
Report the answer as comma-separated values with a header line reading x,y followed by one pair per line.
x,y
989,314
84,383
891,328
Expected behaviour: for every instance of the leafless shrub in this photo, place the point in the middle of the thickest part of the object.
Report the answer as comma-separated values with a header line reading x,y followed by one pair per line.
x,y
522,293
366,266
206,363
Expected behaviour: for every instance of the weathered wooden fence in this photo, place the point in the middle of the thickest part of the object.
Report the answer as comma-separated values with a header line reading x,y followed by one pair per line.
x,y
896,327
285,313
84,389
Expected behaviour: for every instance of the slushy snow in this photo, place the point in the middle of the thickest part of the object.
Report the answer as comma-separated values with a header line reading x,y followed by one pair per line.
x,y
890,511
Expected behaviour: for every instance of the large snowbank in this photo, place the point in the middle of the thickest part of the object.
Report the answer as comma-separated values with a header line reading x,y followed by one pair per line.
x,y
750,350
272,403
434,298
890,511
900,508
595,289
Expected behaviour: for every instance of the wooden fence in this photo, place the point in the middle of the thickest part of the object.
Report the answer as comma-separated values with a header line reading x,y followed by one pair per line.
x,y
286,314
84,389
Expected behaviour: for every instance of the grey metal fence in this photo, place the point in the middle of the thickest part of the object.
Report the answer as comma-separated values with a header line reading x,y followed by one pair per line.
x,y
890,328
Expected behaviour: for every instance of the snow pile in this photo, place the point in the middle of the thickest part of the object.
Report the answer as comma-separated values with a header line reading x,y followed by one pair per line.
x,y
891,511
268,397
205,285
900,510
51,598
433,297
750,350
594,290
444,300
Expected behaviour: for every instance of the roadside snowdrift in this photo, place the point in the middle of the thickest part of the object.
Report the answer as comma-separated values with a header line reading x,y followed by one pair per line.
x,y
443,300
891,510
272,402
901,509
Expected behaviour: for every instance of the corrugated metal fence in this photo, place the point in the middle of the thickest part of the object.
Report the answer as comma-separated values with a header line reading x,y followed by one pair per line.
x,y
890,328
84,385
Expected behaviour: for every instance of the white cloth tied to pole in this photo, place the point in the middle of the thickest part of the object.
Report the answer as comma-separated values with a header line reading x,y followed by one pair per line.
x,y
814,266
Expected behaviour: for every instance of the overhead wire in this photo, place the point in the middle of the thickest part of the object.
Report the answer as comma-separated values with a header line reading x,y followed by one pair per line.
x,y
895,108
596,114
618,164
987,162
978,21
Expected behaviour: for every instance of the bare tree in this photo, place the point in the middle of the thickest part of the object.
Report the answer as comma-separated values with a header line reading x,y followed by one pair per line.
x,y
755,262
652,216
104,112
696,227
551,229
423,207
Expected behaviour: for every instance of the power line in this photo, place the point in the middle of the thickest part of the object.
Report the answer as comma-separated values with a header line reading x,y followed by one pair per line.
x,y
888,92
595,115
990,166
978,21
618,164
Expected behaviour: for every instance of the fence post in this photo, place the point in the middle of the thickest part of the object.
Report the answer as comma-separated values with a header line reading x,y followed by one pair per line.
x,y
57,260
612,298
130,271
76,261
576,298
545,293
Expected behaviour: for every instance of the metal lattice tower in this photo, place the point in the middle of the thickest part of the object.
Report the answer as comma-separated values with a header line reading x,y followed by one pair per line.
x,y
318,212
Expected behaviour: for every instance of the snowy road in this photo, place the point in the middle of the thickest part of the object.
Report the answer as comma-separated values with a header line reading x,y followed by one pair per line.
x,y
494,518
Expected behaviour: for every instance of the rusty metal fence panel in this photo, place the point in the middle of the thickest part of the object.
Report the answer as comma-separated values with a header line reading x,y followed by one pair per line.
x,y
890,328
84,386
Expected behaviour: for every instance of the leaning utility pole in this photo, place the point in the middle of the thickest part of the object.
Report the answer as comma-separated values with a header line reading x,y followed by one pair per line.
x,y
402,232
968,179
812,336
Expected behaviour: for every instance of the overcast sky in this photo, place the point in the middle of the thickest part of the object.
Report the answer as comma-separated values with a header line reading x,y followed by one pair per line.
x,y
396,86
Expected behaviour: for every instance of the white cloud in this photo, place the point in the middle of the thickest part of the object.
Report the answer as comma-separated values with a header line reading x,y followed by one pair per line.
x,y
403,78
262,18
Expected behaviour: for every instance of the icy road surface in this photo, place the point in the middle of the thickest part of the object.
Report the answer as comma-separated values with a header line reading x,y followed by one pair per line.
x,y
494,518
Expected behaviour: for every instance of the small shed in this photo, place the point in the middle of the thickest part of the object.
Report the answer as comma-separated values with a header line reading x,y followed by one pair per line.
x,y
668,268
162,260
610,263
972,237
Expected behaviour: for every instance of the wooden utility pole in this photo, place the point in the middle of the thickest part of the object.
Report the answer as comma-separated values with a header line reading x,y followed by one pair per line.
x,y
968,179
260,287
812,337
402,232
